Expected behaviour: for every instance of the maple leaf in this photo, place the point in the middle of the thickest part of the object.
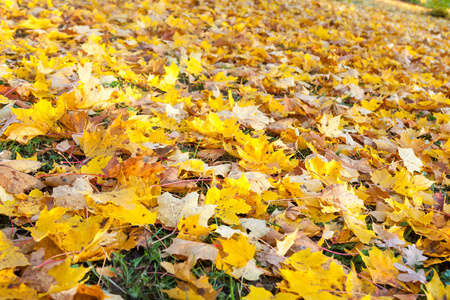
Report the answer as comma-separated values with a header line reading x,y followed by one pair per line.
x,y
14,182
139,215
83,290
194,65
277,130
171,209
435,289
237,258
305,279
380,265
413,256
329,172
284,246
66,276
330,126
411,161
250,116
236,252
230,201
195,288
257,293
10,256
192,250
102,142
190,229
37,120
170,78
11,288
71,196
212,126
22,165
257,154
410,274
90,94
255,227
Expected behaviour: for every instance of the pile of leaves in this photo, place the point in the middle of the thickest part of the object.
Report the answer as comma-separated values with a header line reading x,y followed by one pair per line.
x,y
298,143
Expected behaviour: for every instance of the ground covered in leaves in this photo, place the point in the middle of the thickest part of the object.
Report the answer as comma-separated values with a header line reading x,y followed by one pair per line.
x,y
223,149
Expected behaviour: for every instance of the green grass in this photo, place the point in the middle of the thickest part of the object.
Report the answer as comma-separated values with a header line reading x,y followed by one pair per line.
x,y
140,275
302,154
346,260
229,287
437,8
35,145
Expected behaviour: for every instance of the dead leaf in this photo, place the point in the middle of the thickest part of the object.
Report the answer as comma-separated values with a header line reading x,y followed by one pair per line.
x,y
22,165
72,196
210,154
142,165
15,182
191,250
170,181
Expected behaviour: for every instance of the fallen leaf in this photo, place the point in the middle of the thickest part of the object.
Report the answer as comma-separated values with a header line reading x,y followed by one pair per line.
x,y
25,166
410,160
15,182
192,250
10,256
413,256
410,274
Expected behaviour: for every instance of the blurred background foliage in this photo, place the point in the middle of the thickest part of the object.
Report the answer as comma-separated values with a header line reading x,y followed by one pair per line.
x,y
438,8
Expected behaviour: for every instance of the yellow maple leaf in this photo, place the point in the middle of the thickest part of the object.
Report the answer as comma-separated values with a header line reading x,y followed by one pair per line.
x,y
230,200
358,225
321,33
289,240
236,252
258,154
47,223
137,216
191,287
408,185
182,294
66,276
259,293
90,94
190,229
435,289
103,142
329,172
10,256
170,78
96,165
410,160
212,126
12,288
383,178
38,120
172,209
35,23
330,126
125,198
380,265
308,279
193,65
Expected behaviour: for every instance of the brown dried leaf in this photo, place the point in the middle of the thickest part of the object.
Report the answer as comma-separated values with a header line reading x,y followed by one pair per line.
x,y
59,180
170,182
210,154
142,165
15,182
22,165
192,250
